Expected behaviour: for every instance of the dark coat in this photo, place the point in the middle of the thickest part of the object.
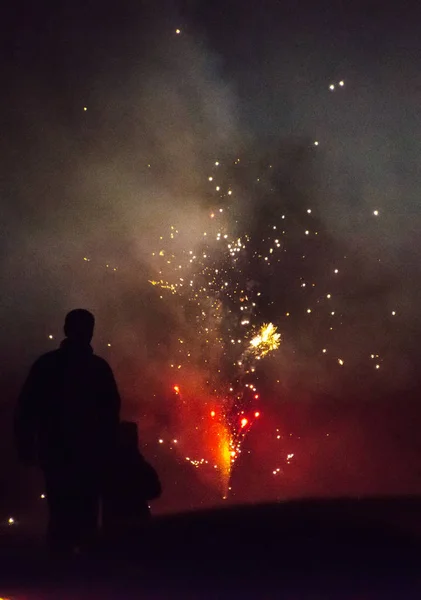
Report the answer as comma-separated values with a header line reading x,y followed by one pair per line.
x,y
68,410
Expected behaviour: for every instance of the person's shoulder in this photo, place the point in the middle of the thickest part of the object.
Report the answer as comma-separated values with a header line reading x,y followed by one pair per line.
x,y
101,363
47,359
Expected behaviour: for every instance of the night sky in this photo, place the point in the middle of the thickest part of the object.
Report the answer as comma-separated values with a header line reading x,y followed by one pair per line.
x,y
132,129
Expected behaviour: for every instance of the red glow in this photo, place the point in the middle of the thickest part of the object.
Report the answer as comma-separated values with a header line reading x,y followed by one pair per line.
x,y
257,414
244,422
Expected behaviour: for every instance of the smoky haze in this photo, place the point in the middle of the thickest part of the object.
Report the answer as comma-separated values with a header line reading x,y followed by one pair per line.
x,y
86,194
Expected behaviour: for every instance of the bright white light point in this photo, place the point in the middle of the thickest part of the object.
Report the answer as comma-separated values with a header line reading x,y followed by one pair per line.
x,y
309,211
336,271
51,337
307,232
377,366
229,192
178,31
10,520
376,213
217,188
393,313
161,441
331,87
210,178
289,456
109,345
309,310
85,108
328,296
216,163
221,210
324,350
340,361
42,496
341,83
316,143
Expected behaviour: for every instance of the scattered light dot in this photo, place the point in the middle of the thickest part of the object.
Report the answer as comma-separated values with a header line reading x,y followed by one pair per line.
x,y
309,211
178,31
316,143
51,337
324,350
331,87
161,441
393,313
11,521
340,361
341,83
42,496
336,271
85,108
376,213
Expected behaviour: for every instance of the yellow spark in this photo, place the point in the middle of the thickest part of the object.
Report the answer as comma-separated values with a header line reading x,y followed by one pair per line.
x,y
266,340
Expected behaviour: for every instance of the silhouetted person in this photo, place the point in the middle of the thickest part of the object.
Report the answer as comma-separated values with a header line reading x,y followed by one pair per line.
x,y
131,484
67,422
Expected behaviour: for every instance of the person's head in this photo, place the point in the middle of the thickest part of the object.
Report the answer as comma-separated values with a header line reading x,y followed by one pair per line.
x,y
79,325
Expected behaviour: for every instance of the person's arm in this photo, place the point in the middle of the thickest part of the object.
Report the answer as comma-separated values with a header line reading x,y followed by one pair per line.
x,y
111,404
113,398
26,417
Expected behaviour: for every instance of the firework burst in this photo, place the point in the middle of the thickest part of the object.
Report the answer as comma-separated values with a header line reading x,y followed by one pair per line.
x,y
217,356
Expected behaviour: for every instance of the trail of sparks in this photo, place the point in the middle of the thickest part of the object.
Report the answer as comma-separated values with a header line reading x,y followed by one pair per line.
x,y
221,350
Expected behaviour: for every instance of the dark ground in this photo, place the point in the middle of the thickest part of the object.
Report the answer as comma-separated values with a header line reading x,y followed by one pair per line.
x,y
307,549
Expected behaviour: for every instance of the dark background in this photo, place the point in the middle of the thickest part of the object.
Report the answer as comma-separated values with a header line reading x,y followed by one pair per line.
x,y
241,80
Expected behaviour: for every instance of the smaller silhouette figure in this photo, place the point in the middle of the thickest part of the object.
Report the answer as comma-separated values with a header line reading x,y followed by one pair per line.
x,y
131,484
